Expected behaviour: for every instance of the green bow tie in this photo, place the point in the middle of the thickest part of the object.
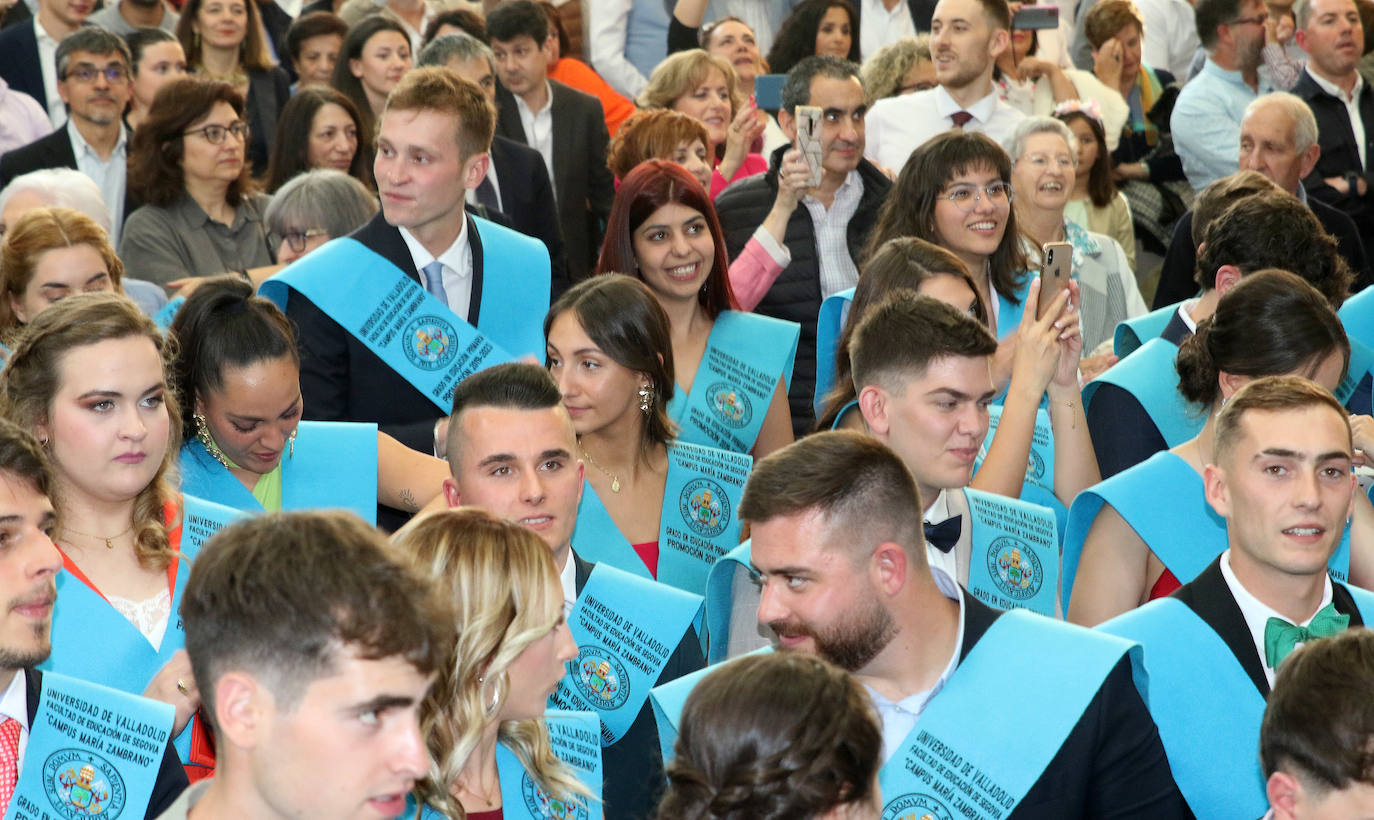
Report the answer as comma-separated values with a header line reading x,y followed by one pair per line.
x,y
1280,636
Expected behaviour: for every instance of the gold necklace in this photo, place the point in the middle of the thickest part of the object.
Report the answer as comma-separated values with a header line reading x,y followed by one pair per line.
x,y
109,545
615,479
482,795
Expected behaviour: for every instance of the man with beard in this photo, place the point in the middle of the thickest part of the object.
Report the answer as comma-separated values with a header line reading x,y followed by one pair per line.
x,y
1206,118
1040,718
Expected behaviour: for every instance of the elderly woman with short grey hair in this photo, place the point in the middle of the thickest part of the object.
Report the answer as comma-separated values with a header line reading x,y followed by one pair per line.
x,y
313,208
1044,154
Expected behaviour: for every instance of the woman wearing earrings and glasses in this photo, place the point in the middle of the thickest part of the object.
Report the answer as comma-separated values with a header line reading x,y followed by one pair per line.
x,y
187,162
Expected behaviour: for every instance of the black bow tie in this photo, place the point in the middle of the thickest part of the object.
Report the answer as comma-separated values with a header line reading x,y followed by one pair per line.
x,y
944,535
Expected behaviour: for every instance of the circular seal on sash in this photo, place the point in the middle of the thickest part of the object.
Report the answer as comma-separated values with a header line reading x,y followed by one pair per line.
x,y
705,507
1015,568
541,804
1035,466
430,342
80,784
916,806
730,404
601,678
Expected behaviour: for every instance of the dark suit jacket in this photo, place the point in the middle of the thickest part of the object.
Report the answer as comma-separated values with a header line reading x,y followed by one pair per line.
x,y
52,151
1112,764
1211,600
633,768
268,92
171,777
1339,152
528,204
584,184
18,13
19,62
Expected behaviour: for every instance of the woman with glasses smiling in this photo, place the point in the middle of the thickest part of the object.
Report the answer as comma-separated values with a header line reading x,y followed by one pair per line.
x,y
188,163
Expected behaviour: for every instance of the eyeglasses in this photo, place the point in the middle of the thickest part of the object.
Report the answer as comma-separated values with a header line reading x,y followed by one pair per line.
x,y
295,239
86,73
965,197
1258,20
215,134
1042,161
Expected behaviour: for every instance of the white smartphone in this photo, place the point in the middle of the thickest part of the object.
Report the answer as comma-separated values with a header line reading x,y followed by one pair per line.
x,y
809,139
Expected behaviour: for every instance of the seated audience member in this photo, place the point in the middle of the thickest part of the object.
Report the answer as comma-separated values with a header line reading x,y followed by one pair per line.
x,y
773,736
157,58
1144,162
512,415
349,647
1131,412
902,68
664,229
813,234
1172,46
1145,531
313,208
22,119
516,187
31,566
840,511
424,235
1316,731
32,70
1270,589
1095,202
227,43
124,18
93,79
314,42
237,370
1206,119
49,254
374,57
188,163
319,128
1044,156
965,99
661,134
484,719
1278,138
456,21
703,87
576,74
816,28
533,109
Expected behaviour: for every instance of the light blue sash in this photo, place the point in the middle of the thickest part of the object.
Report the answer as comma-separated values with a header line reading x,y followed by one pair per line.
x,y
1357,314
1132,333
93,641
92,752
669,699
1162,499
574,737
163,318
1038,487
1009,315
1361,362
829,325
1149,375
746,354
412,331
720,603
1015,559
963,758
626,628
698,523
334,467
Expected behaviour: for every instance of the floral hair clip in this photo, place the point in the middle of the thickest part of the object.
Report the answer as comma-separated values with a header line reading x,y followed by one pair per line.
x,y
1087,107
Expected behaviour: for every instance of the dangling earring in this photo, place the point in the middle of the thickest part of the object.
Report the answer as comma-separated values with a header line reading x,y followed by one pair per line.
x,y
495,696
291,445
203,436
646,398
195,42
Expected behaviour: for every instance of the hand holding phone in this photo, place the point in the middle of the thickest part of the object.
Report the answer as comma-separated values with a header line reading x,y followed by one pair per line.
x,y
809,139
1056,269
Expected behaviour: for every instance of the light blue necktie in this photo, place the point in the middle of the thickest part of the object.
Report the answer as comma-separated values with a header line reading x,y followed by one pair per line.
x,y
434,280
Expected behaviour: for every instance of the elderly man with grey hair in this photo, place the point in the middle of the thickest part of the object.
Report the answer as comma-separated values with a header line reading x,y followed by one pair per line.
x,y
517,192
1278,138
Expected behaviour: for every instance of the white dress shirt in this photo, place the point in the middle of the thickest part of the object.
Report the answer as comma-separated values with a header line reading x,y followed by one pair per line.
x,y
607,21
111,175
568,578
538,127
879,27
832,234
15,704
457,262
1257,613
47,63
955,563
1352,108
899,125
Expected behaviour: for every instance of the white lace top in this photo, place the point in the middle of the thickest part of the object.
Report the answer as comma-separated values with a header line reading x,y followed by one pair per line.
x,y
148,616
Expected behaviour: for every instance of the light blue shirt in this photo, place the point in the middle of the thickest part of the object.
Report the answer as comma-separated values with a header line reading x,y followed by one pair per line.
x,y
1206,123
110,175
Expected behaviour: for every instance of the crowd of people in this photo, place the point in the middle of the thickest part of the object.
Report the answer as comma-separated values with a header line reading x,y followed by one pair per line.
x,y
708,409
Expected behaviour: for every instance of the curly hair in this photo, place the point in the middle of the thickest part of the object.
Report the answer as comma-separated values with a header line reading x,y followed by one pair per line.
x,y
886,70
159,143
37,232
782,735
796,38
501,581
653,134
32,378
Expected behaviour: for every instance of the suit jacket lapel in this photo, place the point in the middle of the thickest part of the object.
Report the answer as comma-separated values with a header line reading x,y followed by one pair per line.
x,y
581,571
475,301
978,617
1211,599
508,122
33,684
385,240
559,100
1345,604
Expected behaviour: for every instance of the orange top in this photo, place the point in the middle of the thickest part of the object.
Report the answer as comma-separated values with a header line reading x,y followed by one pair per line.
x,y
579,75
169,514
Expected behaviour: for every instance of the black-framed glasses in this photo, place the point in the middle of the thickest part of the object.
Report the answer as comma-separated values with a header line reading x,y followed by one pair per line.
x,y
295,240
87,73
215,134
965,197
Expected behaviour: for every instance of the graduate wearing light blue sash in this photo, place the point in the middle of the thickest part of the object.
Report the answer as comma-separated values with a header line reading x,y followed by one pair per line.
x,y
829,324
1134,332
720,603
1039,485
1008,314
1357,314
1149,376
746,356
1015,553
330,465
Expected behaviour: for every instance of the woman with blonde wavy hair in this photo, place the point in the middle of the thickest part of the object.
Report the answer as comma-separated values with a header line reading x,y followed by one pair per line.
x,y
49,254
88,377
513,644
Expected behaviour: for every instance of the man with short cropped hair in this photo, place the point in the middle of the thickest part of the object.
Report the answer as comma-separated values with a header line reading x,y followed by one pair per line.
x,y
28,52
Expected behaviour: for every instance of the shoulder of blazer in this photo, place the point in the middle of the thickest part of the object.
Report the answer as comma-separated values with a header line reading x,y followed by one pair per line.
x,y
38,154
385,240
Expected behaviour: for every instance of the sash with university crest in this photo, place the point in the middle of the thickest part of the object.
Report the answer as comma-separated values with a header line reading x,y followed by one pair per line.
x,y
626,628
1132,333
575,737
1149,375
829,325
1038,487
92,752
746,354
1015,558
333,465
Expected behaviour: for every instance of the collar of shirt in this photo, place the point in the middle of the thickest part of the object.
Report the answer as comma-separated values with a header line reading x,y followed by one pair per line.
x,y
80,147
196,217
900,717
568,578
1335,90
945,105
453,258
939,510
1185,312
44,38
851,188
1257,613
1230,77
525,109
